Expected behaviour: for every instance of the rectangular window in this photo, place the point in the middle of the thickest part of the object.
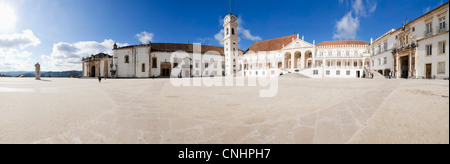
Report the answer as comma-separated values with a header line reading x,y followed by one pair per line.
x,y
429,27
429,49
316,72
338,72
441,69
206,73
355,64
196,64
385,46
215,65
442,24
206,65
379,49
154,63
143,67
328,72
348,73
127,59
379,61
338,64
321,54
442,48
413,29
385,60
196,72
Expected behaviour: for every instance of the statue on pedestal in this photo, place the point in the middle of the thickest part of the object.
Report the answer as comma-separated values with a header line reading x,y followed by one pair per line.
x,y
38,71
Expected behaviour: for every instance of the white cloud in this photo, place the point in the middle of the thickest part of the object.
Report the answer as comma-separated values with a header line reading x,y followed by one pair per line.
x,y
20,40
66,56
347,27
248,35
429,8
13,57
15,60
358,7
145,37
241,31
220,36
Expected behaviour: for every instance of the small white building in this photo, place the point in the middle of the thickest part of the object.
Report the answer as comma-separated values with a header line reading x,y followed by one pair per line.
x,y
160,59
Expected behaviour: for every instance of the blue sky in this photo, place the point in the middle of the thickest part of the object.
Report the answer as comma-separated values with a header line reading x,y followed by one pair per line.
x,y
57,33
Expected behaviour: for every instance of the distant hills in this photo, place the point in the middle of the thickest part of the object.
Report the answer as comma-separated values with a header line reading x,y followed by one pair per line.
x,y
43,74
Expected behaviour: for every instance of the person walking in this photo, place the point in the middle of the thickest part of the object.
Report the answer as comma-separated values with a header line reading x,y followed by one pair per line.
x,y
390,75
99,79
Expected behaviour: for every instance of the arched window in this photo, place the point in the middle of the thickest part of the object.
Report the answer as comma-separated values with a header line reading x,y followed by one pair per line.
x,y
127,59
232,31
228,31
143,67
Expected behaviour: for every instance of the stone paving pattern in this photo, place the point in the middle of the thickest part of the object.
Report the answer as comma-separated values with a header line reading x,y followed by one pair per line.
x,y
141,111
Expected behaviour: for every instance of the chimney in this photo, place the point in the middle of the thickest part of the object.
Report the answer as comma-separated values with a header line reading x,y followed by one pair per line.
x,y
188,42
314,42
371,40
303,38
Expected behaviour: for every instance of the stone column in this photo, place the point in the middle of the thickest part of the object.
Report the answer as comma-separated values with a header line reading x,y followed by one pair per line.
x,y
302,60
410,64
363,66
38,71
397,67
292,61
314,60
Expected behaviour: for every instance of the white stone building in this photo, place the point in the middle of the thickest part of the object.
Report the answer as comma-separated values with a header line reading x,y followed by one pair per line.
x,y
419,49
159,60
334,59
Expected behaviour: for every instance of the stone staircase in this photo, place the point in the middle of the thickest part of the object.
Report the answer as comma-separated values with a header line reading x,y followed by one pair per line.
x,y
376,75
294,75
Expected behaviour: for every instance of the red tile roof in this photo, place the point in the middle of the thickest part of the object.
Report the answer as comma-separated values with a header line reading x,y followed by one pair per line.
x,y
272,44
172,47
343,42
184,47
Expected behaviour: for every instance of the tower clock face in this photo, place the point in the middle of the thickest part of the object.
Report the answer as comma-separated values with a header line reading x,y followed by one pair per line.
x,y
233,19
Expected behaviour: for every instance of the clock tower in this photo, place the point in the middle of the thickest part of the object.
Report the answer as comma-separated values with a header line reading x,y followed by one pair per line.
x,y
230,43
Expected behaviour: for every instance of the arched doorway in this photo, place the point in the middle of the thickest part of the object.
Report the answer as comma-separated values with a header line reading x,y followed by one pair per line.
x,y
404,67
287,60
165,70
358,74
308,59
380,71
92,71
297,60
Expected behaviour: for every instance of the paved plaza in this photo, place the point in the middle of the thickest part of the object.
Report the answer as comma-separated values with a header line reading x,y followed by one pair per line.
x,y
154,111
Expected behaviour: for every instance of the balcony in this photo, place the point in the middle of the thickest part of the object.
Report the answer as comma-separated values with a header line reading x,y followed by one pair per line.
x,y
441,30
427,34
400,47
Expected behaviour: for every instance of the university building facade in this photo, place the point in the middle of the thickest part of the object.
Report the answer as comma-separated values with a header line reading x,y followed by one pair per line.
x,y
418,49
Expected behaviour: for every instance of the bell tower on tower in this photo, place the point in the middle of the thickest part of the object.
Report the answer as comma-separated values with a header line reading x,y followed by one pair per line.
x,y
230,43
